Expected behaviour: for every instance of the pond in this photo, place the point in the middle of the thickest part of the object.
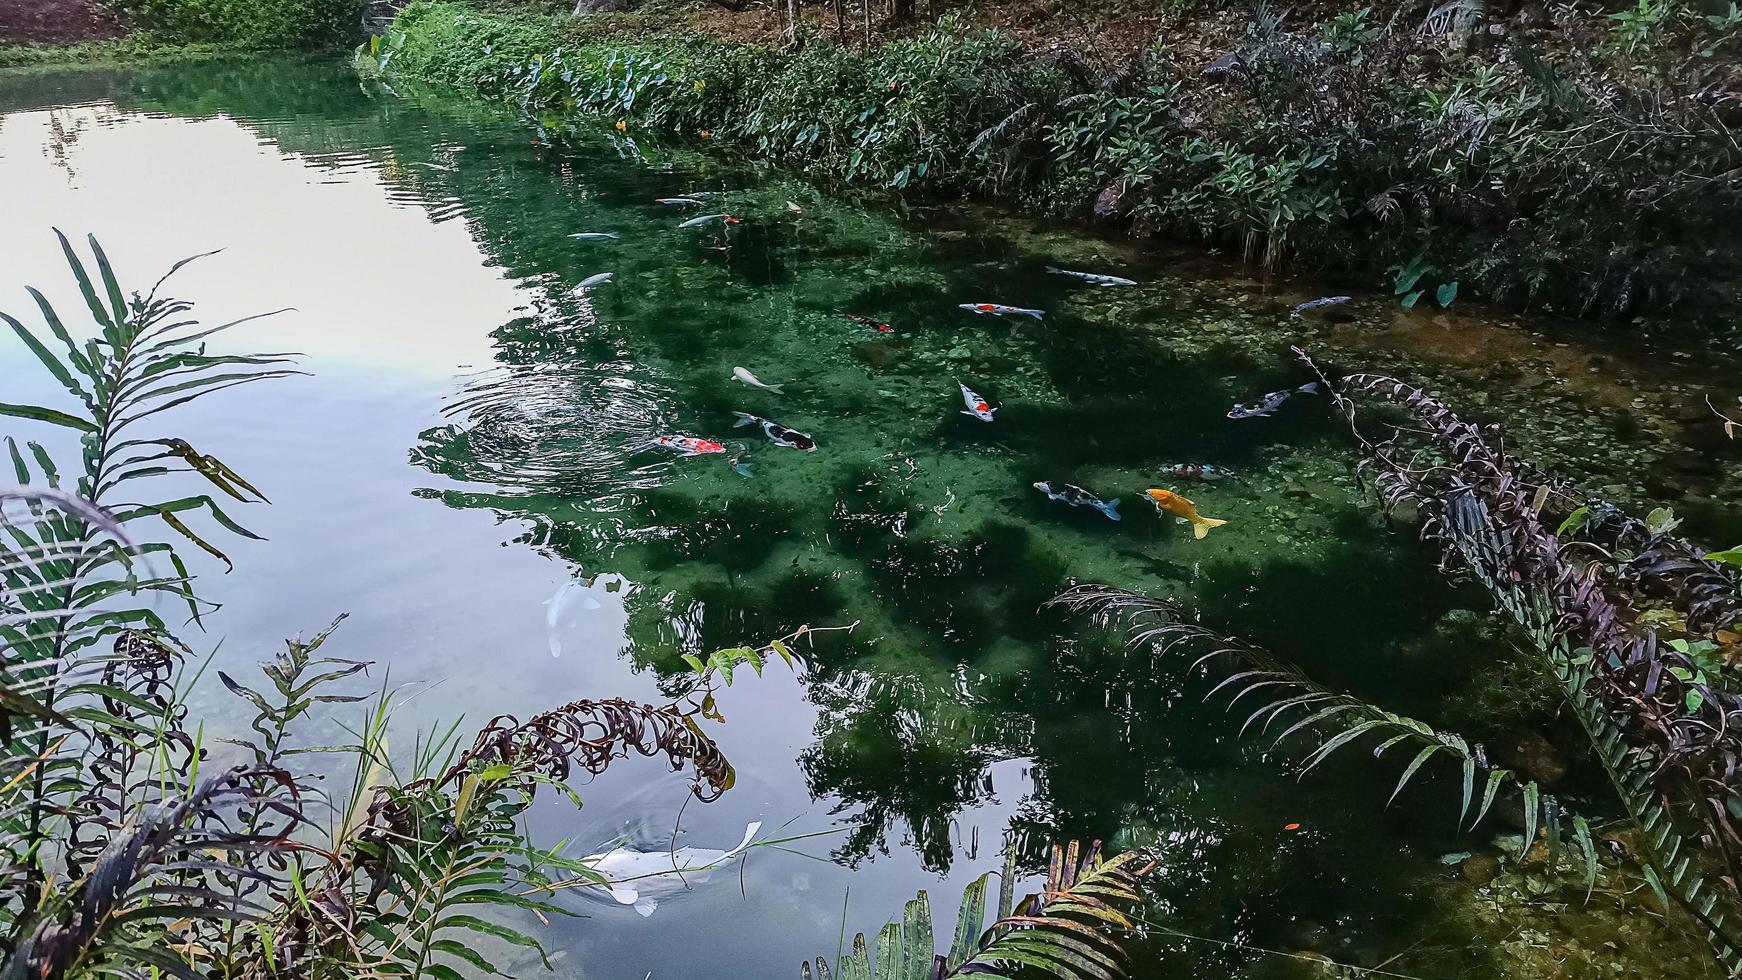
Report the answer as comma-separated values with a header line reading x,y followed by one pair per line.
x,y
466,470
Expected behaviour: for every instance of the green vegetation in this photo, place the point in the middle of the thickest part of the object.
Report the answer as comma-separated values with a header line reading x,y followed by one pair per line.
x,y
247,24
1584,167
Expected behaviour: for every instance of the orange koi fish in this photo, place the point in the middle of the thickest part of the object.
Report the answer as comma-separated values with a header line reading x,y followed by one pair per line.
x,y
1185,510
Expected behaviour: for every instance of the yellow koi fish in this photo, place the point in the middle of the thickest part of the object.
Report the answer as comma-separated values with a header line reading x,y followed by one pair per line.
x,y
1183,509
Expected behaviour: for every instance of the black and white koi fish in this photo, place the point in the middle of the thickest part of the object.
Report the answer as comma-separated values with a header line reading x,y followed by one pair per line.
x,y
1268,404
1316,304
1196,471
997,309
778,434
1076,496
595,236
1093,278
977,406
704,219
591,281
676,200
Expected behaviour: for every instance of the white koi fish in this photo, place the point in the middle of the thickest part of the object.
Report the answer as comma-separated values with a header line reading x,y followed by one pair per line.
x,y
704,219
977,406
676,200
997,309
595,236
1093,278
640,878
434,166
750,379
591,281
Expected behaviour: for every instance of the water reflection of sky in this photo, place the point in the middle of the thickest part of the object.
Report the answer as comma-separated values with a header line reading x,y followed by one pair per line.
x,y
364,274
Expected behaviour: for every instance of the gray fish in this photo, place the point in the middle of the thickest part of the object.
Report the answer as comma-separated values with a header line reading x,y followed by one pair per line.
x,y
1076,496
1268,404
434,166
676,200
595,236
1093,278
591,281
778,434
1315,304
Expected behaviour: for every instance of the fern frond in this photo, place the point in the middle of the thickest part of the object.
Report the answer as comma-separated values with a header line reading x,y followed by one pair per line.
x,y
1070,930
1284,697
1661,729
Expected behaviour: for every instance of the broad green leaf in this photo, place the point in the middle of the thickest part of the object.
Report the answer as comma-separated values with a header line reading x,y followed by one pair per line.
x,y
40,414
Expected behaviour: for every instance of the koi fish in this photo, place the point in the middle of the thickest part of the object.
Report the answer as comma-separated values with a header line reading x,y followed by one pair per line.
x,y
676,200
1093,278
1076,496
778,434
977,406
999,310
596,236
754,382
688,445
1315,304
867,321
434,166
639,878
1180,507
1196,471
590,281
704,219
1268,404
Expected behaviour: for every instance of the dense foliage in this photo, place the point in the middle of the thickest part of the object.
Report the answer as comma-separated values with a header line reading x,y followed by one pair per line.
x,y
1586,164
247,24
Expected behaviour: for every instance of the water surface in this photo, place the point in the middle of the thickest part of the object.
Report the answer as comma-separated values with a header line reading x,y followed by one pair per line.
x,y
465,471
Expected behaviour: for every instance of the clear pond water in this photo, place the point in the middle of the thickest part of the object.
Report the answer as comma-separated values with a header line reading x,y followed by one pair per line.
x,y
464,471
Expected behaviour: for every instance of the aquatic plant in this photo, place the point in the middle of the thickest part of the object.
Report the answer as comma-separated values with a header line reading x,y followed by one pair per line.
x,y
1327,720
1067,930
1658,722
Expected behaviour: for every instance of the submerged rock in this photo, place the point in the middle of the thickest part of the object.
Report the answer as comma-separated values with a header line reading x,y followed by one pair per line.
x,y
1479,869
1530,753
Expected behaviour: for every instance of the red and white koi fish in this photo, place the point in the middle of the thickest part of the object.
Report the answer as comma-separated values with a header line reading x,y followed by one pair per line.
x,y
688,445
997,309
1196,471
867,322
977,406
704,219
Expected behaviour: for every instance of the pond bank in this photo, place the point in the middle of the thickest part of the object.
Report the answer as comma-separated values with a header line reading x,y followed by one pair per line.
x,y
1524,169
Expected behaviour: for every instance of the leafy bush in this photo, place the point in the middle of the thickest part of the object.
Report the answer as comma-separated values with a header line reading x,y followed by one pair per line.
x,y
1588,167
249,24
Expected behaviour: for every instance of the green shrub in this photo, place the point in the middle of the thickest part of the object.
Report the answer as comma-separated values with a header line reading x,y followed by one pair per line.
x,y
249,24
